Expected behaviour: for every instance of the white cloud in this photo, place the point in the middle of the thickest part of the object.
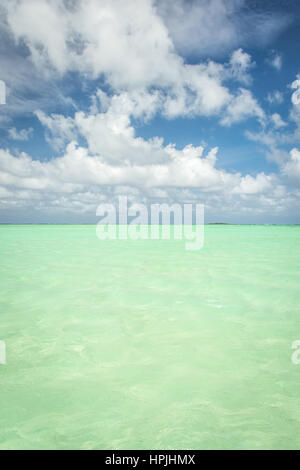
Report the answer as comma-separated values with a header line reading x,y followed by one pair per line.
x,y
59,129
128,44
26,87
277,121
22,134
267,138
261,183
275,97
97,38
291,167
78,181
241,63
276,61
214,27
128,47
199,92
295,111
241,107
108,128
273,137
117,161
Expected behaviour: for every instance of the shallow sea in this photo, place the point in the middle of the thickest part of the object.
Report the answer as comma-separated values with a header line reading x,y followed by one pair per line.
x,y
144,345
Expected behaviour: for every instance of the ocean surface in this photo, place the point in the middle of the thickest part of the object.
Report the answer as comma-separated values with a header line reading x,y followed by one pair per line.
x,y
141,344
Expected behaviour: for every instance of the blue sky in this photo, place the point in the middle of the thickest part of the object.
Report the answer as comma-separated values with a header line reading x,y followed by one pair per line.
x,y
171,101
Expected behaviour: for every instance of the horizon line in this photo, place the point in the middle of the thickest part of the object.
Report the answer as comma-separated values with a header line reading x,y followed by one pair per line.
x,y
96,223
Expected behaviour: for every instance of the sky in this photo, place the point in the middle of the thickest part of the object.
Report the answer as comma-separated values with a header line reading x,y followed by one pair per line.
x,y
169,101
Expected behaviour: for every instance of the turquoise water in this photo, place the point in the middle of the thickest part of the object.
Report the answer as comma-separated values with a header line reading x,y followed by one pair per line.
x,y
144,345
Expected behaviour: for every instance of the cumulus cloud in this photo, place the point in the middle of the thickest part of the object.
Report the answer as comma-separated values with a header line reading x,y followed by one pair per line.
x,y
108,130
295,111
260,184
59,129
291,167
278,121
271,134
275,97
97,38
214,27
27,89
116,161
131,52
276,61
129,45
22,134
241,63
78,181
241,107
